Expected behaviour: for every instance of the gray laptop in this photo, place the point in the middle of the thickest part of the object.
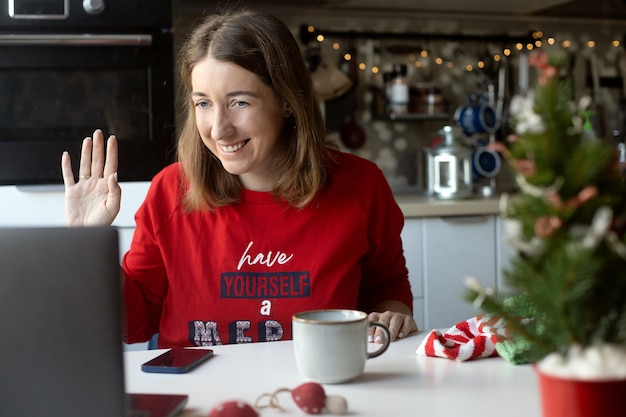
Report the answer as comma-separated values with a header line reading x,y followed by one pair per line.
x,y
61,348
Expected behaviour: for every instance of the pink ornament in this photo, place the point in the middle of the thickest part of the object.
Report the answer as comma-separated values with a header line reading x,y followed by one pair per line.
x,y
309,397
234,408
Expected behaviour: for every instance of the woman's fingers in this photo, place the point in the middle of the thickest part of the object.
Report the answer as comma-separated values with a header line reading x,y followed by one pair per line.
x,y
114,199
84,166
92,157
66,169
97,154
399,325
110,167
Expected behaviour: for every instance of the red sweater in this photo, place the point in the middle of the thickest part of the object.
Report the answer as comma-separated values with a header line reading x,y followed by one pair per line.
x,y
238,274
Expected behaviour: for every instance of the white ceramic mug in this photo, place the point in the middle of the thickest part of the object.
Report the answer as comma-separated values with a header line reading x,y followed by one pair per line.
x,y
331,345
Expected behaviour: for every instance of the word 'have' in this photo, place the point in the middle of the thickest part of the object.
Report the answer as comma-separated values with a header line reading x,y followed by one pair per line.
x,y
279,257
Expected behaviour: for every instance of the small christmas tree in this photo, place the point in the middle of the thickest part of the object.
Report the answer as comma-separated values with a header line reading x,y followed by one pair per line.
x,y
567,282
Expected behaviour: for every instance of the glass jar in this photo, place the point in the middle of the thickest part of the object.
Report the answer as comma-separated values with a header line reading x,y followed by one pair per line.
x,y
398,90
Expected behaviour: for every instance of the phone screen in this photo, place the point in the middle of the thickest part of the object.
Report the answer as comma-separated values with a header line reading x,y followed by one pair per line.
x,y
177,360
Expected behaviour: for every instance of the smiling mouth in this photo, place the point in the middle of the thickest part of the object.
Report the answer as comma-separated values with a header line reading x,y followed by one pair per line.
x,y
235,147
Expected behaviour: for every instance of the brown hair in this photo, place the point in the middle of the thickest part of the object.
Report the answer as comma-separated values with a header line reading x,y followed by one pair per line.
x,y
263,45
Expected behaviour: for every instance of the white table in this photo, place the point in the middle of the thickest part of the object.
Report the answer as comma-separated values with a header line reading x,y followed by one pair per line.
x,y
398,383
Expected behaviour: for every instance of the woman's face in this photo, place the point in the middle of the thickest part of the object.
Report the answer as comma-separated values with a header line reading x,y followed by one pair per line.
x,y
239,119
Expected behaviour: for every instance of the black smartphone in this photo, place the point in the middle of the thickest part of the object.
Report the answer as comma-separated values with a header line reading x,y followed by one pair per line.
x,y
177,360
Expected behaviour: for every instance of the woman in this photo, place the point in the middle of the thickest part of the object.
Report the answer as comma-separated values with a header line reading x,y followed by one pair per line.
x,y
261,217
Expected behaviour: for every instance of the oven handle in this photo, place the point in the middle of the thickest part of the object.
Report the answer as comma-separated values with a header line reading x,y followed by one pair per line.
x,y
77,39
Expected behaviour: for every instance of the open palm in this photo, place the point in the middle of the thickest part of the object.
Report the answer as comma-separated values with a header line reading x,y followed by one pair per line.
x,y
95,199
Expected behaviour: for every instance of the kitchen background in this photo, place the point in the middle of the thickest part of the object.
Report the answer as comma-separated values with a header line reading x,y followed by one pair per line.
x,y
444,53
451,50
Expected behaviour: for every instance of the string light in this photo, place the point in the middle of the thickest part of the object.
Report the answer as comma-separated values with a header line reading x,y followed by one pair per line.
x,y
538,42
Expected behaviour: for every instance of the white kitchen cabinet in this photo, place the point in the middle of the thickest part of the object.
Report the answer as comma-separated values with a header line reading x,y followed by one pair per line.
x,y
413,252
455,248
504,253
441,252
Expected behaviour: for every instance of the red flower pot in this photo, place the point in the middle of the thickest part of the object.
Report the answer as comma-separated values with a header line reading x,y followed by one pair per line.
x,y
562,397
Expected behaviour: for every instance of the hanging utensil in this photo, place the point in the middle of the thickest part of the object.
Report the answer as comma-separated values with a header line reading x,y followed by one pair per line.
x,y
596,110
352,135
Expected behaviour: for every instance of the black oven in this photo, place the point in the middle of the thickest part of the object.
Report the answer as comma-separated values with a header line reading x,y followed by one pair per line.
x,y
70,66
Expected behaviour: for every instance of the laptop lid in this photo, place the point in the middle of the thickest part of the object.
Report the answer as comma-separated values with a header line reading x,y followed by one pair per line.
x,y
61,348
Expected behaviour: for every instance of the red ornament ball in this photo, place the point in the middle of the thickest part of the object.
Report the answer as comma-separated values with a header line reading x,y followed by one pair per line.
x,y
309,397
233,408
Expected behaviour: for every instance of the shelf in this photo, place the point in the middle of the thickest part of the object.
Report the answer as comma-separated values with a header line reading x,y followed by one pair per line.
x,y
379,105
420,117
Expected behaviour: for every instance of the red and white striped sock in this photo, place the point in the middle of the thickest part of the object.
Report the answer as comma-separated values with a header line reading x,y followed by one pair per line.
x,y
470,339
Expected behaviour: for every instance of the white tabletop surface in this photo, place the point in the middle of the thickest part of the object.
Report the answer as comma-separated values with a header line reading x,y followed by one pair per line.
x,y
398,383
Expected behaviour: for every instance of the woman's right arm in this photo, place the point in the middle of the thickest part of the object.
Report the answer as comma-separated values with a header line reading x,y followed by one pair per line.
x,y
95,199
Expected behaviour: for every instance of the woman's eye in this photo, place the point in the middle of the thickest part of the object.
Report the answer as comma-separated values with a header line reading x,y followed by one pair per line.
x,y
240,103
202,104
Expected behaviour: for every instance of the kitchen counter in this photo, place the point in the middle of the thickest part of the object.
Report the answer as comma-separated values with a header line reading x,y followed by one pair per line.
x,y
416,205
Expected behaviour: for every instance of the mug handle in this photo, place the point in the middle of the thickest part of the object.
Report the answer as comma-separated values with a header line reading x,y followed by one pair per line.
x,y
385,345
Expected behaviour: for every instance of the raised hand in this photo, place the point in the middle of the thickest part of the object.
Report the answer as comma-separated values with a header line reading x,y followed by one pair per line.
x,y
95,199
